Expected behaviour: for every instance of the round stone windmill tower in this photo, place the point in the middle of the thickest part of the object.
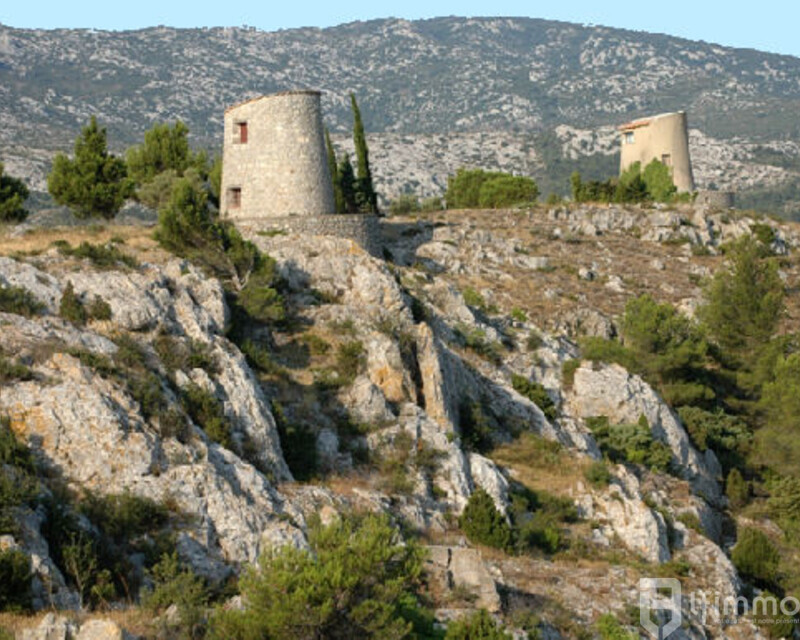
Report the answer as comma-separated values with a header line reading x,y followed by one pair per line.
x,y
664,137
274,159
275,173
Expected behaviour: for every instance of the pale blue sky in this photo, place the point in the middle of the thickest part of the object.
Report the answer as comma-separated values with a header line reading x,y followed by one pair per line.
x,y
768,25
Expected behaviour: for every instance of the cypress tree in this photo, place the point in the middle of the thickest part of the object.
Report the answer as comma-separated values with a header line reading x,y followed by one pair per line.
x,y
347,185
366,198
338,197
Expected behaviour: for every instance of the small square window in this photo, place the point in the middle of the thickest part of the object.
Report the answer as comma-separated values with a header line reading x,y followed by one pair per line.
x,y
240,132
234,198
628,137
666,158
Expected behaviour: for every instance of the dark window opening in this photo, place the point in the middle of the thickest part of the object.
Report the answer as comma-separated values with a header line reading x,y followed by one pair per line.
x,y
234,198
240,132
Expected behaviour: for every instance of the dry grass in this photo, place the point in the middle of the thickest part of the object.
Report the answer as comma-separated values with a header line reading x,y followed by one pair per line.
x,y
136,239
540,464
133,620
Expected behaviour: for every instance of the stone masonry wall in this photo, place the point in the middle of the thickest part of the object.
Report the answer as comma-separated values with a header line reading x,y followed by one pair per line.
x,y
362,228
282,167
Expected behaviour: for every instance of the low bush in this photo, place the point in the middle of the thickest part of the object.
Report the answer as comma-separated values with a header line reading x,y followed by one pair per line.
x,y
755,557
536,393
299,446
20,301
568,369
105,257
124,515
184,355
476,626
597,474
177,585
350,359
404,204
482,523
98,309
475,426
206,411
71,308
11,371
630,443
737,489
474,339
357,578
15,580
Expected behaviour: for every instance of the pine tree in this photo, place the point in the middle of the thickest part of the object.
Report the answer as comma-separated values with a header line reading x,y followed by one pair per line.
x,y
338,197
95,183
347,185
366,198
13,194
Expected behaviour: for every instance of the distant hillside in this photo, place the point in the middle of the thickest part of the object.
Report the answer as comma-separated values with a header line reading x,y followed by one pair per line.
x,y
447,76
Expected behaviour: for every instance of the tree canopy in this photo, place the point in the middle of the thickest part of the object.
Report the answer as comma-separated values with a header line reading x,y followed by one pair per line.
x,y
13,194
94,183
357,579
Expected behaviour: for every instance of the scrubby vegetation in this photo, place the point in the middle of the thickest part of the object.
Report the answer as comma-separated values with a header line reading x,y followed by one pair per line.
x,y
356,579
473,188
654,183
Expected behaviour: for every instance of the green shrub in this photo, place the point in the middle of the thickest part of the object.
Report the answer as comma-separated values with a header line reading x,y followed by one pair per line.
x,y
20,301
357,579
124,515
597,474
630,443
350,359
404,204
13,194
474,299
105,257
177,354
316,345
722,432
737,489
98,309
475,340
609,628
299,446
474,426
755,557
206,411
507,190
18,483
174,584
476,626
428,205
536,393
519,315
482,523
71,308
146,389
15,580
568,369
129,352
12,371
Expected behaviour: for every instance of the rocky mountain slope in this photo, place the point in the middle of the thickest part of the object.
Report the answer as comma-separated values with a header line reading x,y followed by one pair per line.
x,y
392,388
436,94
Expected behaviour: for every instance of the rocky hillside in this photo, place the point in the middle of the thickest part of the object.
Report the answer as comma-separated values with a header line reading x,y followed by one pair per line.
x,y
436,93
399,385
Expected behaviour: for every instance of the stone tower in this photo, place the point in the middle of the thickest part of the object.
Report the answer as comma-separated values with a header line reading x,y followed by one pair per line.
x,y
664,137
274,158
